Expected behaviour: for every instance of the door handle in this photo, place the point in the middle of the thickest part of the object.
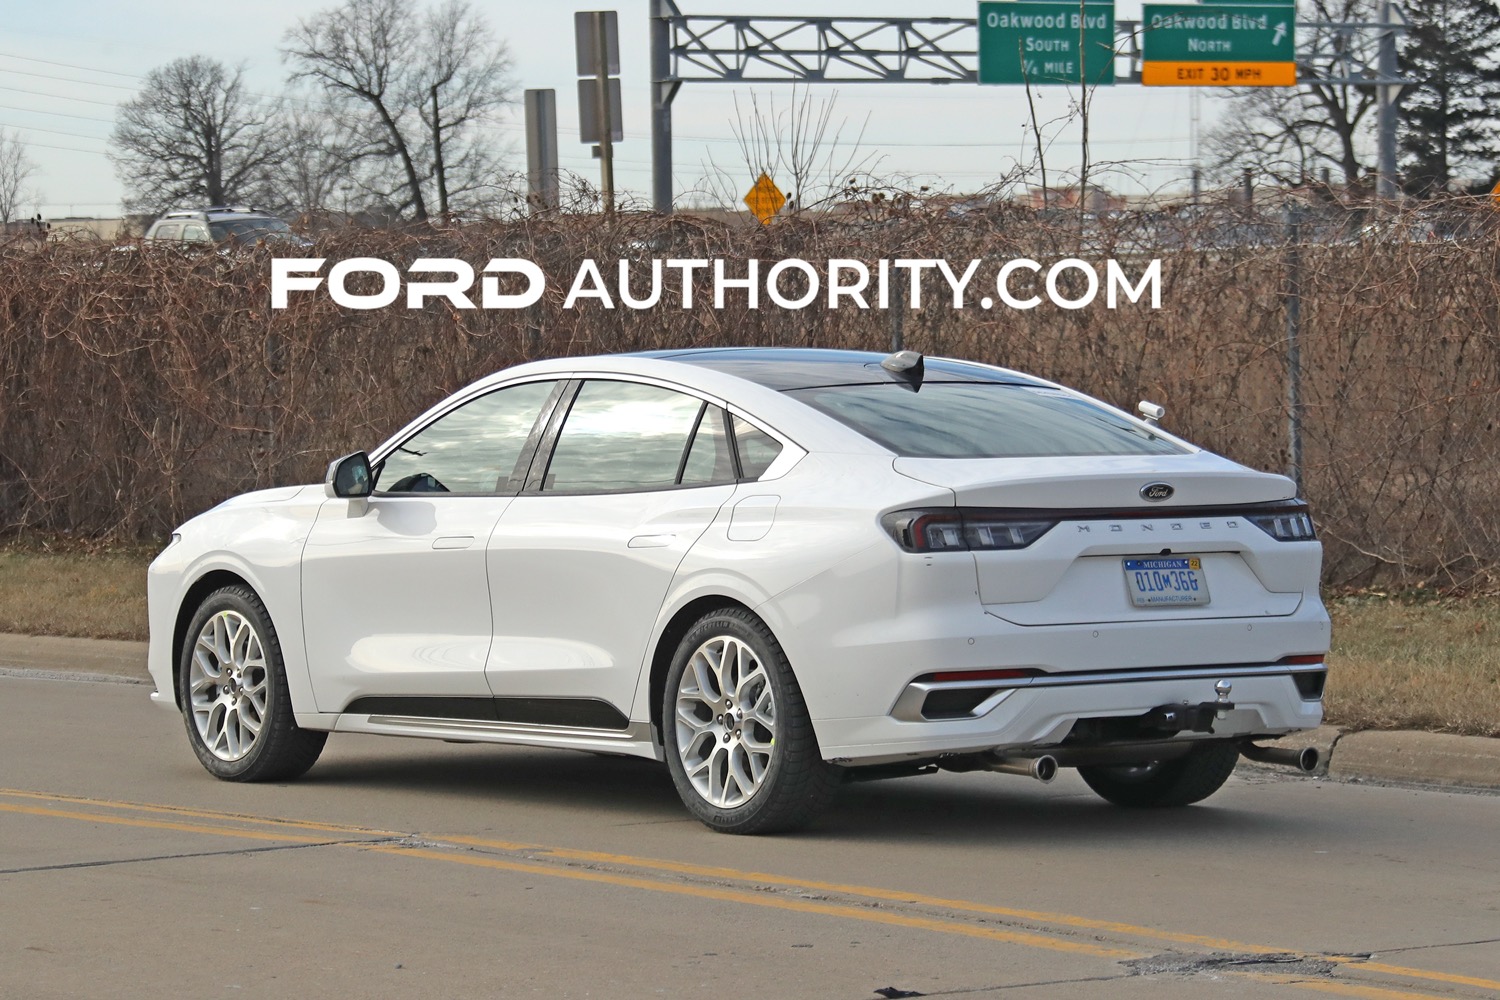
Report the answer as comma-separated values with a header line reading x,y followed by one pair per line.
x,y
652,541
453,542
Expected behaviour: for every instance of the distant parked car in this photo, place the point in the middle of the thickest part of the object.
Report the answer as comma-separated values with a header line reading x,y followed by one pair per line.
x,y
228,227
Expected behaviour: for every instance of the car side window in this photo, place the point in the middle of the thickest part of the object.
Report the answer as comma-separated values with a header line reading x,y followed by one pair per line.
x,y
621,436
757,449
472,449
194,234
169,231
710,460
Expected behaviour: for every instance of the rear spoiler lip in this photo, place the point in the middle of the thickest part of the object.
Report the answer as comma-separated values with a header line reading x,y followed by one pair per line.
x,y
1293,506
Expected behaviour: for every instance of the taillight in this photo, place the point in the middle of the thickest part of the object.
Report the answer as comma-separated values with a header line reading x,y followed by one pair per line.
x,y
1286,525
953,529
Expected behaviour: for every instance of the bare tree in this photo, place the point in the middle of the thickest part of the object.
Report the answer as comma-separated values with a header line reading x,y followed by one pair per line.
x,y
192,134
426,86
312,175
16,169
799,146
1290,134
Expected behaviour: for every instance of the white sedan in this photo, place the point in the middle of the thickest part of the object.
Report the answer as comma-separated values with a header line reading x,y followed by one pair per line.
x,y
774,569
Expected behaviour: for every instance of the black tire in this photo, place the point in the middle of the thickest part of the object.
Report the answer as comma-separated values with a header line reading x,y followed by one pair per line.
x,y
247,694
795,784
1166,783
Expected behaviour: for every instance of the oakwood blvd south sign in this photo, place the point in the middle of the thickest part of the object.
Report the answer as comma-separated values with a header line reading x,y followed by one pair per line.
x,y
1046,42
1219,45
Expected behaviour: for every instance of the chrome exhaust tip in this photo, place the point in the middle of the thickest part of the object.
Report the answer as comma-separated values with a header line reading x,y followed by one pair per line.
x,y
1305,760
1043,768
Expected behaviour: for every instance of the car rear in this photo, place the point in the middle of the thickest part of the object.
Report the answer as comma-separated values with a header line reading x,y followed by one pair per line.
x,y
1072,581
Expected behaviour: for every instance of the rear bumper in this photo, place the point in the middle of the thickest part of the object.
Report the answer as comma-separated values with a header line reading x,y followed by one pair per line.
x,y
1037,718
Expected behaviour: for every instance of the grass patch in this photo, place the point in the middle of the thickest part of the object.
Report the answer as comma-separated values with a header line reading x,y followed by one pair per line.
x,y
1414,661
98,594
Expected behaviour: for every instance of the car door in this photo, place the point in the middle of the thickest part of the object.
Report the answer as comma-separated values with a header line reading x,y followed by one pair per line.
x,y
581,561
396,601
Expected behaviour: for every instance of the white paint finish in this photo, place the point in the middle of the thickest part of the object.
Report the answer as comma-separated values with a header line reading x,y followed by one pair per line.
x,y
388,611
257,537
1097,480
574,599
567,596
752,518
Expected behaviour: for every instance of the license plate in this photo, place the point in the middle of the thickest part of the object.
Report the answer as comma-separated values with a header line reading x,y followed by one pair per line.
x,y
1166,582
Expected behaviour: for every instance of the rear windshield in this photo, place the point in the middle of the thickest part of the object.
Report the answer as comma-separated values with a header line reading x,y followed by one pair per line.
x,y
983,420
249,230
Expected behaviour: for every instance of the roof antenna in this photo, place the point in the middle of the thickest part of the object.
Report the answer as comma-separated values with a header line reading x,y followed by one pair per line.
x,y
906,365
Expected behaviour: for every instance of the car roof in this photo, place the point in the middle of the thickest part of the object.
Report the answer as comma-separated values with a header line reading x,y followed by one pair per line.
x,y
784,368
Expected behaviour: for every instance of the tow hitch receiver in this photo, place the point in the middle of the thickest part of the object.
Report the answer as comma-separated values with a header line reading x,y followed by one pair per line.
x,y
1185,718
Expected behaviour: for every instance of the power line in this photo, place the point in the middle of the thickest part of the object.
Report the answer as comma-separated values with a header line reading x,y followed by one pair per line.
x,y
86,69
58,114
53,131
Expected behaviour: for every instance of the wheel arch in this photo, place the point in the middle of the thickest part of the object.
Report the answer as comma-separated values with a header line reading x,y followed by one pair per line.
x,y
666,646
206,584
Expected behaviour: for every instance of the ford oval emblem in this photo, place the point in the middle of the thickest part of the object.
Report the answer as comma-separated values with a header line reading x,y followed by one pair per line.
x,y
1156,492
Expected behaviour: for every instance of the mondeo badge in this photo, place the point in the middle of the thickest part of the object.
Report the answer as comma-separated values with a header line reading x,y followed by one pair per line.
x,y
1156,492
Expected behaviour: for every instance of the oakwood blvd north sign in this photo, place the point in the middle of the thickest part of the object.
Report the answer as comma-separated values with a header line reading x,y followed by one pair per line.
x,y
1219,45
1043,41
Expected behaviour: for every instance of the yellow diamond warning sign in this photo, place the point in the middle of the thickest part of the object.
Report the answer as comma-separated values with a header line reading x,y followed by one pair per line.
x,y
764,198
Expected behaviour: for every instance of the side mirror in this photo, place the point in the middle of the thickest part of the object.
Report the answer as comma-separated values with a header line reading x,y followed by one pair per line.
x,y
349,477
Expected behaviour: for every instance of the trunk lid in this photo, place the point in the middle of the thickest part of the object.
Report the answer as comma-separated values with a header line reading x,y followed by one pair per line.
x,y
1083,569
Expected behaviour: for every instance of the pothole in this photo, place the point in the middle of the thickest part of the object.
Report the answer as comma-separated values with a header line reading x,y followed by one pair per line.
x,y
1176,964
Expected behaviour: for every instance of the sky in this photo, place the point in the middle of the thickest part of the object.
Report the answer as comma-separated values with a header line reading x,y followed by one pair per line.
x,y
67,64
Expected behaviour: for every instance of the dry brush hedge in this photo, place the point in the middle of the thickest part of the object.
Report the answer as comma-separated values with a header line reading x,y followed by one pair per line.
x,y
140,388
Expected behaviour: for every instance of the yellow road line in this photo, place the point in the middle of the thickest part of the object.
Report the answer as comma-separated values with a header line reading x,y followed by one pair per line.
x,y
1040,916
709,871
155,824
870,892
1441,977
762,899
198,813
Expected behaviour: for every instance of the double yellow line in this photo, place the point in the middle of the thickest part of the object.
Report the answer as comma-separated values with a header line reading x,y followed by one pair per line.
x,y
693,880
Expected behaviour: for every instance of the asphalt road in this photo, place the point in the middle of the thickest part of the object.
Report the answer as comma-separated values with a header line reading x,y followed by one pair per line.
x,y
404,868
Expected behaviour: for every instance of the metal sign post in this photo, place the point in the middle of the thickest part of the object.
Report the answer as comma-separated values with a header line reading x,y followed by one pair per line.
x,y
597,38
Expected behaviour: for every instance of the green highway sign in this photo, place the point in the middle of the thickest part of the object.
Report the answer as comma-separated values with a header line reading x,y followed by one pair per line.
x,y
1040,42
1228,45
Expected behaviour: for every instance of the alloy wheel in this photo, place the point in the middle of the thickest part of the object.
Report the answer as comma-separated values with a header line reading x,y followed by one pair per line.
x,y
227,684
726,721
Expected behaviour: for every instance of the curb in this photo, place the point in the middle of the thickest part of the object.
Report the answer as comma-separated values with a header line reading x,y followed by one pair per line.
x,y
1410,758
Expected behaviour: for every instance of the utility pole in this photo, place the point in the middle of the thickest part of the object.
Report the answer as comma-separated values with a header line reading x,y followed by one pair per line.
x,y
437,157
541,150
1387,92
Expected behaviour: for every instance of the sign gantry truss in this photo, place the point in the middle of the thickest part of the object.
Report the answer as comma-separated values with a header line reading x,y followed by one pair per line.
x,y
824,49
701,48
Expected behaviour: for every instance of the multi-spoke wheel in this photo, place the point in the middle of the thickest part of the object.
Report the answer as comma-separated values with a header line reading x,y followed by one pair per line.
x,y
1156,784
738,739
232,688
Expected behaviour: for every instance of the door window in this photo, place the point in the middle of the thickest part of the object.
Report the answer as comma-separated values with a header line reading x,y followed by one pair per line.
x,y
473,449
710,459
622,436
